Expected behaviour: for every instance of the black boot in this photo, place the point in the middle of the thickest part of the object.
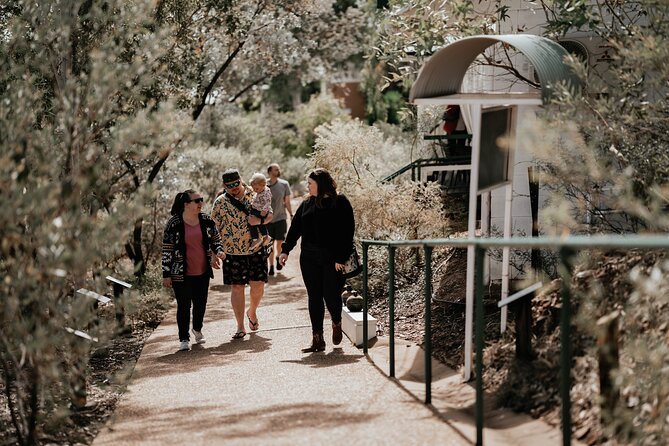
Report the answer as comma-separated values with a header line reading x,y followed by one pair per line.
x,y
317,343
336,333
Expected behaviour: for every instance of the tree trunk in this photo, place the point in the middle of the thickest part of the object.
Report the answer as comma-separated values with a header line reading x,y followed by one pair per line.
x,y
134,249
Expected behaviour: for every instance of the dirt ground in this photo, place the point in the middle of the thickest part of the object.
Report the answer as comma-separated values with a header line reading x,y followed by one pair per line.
x,y
110,368
530,387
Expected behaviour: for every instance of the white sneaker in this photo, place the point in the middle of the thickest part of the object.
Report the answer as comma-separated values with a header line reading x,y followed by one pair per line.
x,y
184,346
199,337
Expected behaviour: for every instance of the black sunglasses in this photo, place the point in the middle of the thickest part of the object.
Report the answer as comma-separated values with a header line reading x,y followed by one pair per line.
x,y
233,185
197,200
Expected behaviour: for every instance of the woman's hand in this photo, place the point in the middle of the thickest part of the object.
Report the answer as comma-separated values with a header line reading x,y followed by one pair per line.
x,y
216,260
339,267
167,282
283,258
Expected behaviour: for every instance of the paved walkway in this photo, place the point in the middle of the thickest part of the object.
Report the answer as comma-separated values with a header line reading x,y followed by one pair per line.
x,y
264,390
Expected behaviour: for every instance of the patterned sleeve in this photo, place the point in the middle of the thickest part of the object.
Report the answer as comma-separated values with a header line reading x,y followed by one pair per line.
x,y
217,212
168,248
263,201
215,239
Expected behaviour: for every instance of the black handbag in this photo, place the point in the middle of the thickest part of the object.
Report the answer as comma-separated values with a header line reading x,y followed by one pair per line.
x,y
353,266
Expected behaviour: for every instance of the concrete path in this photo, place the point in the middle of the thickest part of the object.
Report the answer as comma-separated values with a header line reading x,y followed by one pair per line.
x,y
264,390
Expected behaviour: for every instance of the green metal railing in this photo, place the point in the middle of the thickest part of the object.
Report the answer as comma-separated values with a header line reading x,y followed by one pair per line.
x,y
567,247
417,166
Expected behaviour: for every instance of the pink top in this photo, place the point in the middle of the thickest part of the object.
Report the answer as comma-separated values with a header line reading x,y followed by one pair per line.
x,y
196,259
263,201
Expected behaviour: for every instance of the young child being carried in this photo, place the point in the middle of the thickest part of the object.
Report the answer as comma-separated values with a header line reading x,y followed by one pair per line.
x,y
261,206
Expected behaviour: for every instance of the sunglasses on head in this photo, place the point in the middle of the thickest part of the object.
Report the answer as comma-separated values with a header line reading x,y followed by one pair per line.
x,y
233,184
197,200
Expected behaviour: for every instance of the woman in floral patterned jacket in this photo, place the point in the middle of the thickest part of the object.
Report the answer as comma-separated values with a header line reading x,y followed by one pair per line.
x,y
189,243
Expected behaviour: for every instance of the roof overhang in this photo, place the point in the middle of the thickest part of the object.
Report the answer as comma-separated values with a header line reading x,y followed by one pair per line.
x,y
443,73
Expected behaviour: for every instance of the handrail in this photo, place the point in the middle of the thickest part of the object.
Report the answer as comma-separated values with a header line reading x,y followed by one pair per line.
x,y
452,137
566,246
427,162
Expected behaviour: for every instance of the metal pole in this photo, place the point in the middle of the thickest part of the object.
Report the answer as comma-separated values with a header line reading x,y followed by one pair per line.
x,y
118,305
566,256
479,256
471,235
391,306
428,325
365,247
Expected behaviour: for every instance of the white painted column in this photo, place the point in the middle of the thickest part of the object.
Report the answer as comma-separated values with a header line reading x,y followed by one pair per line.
x,y
508,219
471,235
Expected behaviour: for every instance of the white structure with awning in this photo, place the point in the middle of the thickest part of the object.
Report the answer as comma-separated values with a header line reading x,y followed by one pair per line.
x,y
489,116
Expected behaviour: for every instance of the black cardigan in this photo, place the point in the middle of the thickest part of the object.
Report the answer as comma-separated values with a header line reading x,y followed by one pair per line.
x,y
174,246
328,227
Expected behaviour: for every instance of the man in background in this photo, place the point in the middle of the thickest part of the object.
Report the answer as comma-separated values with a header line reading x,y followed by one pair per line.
x,y
281,209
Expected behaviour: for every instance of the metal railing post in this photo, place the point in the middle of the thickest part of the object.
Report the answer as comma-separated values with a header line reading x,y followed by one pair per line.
x,y
479,254
428,325
365,248
566,257
391,307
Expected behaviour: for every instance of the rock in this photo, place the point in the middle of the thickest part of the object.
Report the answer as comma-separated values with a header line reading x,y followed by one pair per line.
x,y
348,292
354,303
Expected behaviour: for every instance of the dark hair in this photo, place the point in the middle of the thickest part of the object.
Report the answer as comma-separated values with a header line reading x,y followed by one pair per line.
x,y
327,186
180,200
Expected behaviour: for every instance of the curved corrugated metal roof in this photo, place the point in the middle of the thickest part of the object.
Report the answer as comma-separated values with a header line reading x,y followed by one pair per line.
x,y
442,74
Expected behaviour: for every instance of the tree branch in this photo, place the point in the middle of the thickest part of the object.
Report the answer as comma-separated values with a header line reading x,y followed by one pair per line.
x,y
212,83
247,88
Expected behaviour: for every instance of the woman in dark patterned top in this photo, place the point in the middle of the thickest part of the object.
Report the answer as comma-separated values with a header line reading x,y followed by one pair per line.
x,y
326,225
191,247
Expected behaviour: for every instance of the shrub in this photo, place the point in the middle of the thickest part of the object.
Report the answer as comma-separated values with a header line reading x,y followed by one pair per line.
x,y
359,157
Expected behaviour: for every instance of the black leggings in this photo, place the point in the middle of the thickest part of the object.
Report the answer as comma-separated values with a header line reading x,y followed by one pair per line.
x,y
324,284
193,289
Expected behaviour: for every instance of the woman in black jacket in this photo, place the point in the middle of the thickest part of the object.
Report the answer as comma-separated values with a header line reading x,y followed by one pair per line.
x,y
326,225
191,247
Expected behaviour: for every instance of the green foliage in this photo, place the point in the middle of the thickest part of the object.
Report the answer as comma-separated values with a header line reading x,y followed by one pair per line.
x,y
319,110
359,157
228,49
150,301
616,141
411,31
249,141
72,104
605,158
